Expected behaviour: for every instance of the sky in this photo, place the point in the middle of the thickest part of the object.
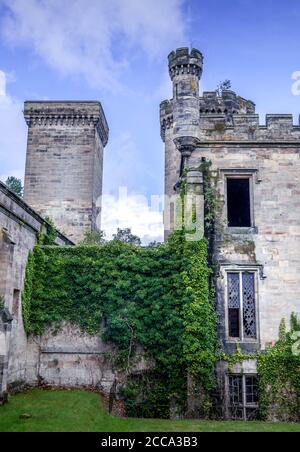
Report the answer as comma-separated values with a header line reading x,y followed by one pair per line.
x,y
116,51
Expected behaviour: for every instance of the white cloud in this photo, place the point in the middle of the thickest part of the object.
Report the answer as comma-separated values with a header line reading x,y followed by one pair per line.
x,y
13,134
94,38
2,84
131,211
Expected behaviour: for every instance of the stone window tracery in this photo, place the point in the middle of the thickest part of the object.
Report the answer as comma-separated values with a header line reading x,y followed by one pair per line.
x,y
241,301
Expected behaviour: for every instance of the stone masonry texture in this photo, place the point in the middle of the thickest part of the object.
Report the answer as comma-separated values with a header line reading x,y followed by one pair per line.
x,y
19,226
228,133
63,180
64,165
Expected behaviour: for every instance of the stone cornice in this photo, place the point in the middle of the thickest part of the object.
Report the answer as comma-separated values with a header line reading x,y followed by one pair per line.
x,y
252,144
67,114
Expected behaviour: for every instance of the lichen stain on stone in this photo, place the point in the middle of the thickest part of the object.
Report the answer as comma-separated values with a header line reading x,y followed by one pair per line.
x,y
247,248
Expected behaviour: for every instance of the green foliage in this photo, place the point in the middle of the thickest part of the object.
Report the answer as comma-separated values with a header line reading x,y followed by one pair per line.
x,y
279,374
15,185
82,411
223,86
213,200
94,238
27,294
48,233
199,340
155,297
125,235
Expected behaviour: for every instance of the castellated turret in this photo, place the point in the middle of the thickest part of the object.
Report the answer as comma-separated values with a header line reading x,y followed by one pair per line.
x,y
64,165
180,116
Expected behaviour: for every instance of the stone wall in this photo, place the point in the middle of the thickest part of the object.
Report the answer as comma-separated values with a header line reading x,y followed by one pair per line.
x,y
273,243
225,130
71,358
64,165
19,225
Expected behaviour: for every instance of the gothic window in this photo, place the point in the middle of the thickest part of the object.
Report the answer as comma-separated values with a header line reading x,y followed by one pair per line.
x,y
241,305
238,202
234,304
243,397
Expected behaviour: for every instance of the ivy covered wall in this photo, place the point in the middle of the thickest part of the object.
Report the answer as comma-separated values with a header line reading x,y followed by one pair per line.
x,y
156,297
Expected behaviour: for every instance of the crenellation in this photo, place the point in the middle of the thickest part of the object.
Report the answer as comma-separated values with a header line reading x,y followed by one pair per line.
x,y
185,62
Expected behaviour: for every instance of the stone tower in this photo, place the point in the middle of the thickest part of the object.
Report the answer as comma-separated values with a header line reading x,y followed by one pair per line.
x,y
64,165
255,172
180,116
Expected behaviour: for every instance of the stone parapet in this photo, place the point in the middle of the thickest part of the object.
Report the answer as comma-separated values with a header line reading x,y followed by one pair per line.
x,y
67,114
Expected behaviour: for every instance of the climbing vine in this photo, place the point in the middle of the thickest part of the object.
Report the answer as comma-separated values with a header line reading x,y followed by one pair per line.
x,y
160,298
27,293
279,375
48,233
157,298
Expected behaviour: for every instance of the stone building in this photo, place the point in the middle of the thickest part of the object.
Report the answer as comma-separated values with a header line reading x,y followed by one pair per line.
x,y
63,181
257,241
19,228
64,135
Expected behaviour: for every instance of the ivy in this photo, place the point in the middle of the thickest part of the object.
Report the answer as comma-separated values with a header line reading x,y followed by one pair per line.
x,y
155,297
279,376
48,233
27,294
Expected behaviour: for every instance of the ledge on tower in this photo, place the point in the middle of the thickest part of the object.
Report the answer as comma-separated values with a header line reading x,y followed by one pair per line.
x,y
67,113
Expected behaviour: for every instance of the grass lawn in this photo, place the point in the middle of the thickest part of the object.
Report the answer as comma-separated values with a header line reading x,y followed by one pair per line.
x,y
80,411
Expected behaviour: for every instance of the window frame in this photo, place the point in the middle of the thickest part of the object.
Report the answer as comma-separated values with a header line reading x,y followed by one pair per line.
x,y
242,338
240,174
244,406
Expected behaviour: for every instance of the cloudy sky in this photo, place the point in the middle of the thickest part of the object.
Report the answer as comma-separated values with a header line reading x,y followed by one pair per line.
x,y
116,51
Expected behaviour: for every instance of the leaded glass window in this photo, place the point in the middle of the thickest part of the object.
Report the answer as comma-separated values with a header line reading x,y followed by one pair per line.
x,y
249,316
241,305
234,304
243,397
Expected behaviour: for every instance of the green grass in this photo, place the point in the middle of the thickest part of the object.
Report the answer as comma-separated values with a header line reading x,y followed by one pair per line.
x,y
80,411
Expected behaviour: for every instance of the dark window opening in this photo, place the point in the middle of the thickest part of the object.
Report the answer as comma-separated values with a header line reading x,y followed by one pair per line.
x,y
243,397
251,390
234,323
238,203
236,397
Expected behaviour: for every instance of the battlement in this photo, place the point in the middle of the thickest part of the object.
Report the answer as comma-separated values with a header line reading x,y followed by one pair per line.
x,y
68,114
229,103
247,127
232,118
182,61
166,117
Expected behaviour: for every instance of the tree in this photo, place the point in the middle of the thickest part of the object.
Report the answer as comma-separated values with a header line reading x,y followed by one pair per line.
x,y
94,238
125,235
223,86
154,244
15,185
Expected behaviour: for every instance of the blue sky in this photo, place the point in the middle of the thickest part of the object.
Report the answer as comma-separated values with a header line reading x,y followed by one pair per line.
x,y
116,51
